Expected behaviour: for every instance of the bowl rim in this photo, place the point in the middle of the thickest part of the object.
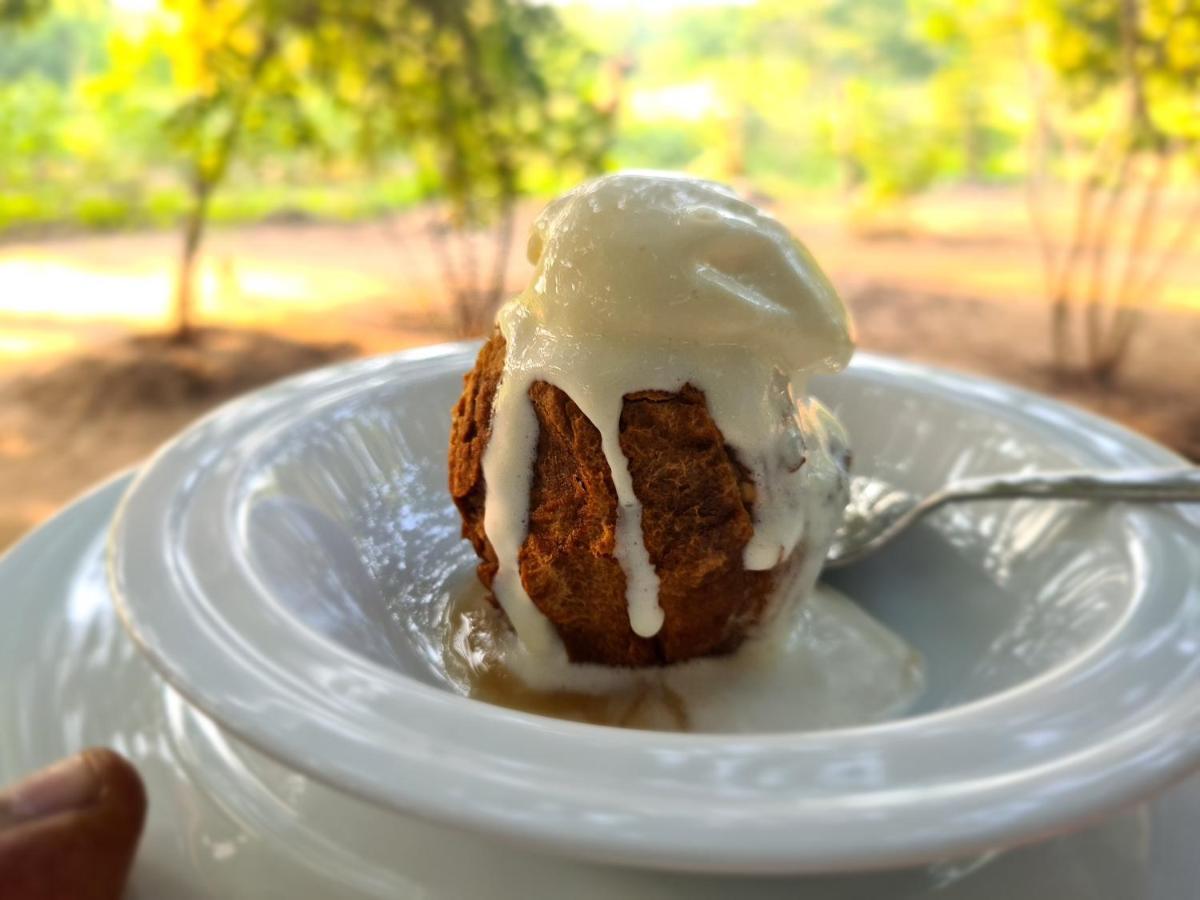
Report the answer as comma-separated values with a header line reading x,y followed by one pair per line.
x,y
613,795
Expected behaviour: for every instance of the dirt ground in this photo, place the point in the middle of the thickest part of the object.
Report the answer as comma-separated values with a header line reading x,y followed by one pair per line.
x,y
1158,392
86,389
70,424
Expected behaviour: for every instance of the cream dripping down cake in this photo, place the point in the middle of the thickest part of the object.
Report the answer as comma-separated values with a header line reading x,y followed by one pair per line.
x,y
635,455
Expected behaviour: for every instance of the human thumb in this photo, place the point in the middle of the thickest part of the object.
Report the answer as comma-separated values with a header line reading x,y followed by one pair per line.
x,y
70,831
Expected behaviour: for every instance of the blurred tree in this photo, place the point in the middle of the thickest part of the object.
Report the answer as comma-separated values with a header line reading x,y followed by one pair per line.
x,y
239,65
484,98
976,45
489,99
867,67
56,46
1115,85
889,153
866,52
22,12
39,54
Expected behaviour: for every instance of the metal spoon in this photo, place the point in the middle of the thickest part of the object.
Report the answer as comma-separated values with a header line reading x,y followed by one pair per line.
x,y
879,511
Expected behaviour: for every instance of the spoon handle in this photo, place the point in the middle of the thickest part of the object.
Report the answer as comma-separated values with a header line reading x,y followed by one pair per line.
x,y
1137,485
1145,485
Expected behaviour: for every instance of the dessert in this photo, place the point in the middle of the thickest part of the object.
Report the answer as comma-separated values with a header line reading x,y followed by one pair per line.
x,y
824,663
634,455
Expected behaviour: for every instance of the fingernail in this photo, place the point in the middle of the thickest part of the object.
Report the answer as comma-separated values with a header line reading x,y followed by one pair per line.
x,y
67,785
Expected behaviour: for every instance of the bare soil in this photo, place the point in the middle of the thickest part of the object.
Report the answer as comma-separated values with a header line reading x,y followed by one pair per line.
x,y
66,425
1157,393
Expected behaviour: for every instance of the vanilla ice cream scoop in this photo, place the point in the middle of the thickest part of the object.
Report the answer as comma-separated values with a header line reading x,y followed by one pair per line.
x,y
651,281
670,260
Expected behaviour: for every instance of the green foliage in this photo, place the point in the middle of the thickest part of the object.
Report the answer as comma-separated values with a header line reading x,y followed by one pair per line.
x,y
477,101
487,97
835,92
977,93
646,145
240,82
56,47
268,96
22,12
31,113
867,38
477,97
889,144
1083,44
102,211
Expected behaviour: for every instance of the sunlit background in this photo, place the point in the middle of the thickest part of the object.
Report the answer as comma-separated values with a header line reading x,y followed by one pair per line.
x,y
198,196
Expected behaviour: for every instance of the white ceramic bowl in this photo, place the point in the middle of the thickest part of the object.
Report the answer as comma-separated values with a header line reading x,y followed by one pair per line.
x,y
284,563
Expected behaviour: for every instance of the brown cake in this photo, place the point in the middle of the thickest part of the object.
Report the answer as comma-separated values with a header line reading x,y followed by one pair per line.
x,y
696,520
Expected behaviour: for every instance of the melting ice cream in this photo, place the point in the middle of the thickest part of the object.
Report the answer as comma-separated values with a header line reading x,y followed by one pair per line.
x,y
646,281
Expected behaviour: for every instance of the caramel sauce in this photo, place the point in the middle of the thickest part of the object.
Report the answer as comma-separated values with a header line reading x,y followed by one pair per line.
x,y
829,665
474,661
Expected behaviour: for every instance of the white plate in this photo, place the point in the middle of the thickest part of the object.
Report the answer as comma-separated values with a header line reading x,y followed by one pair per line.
x,y
284,564
227,823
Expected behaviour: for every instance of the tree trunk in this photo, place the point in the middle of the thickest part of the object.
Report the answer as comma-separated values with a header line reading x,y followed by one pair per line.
x,y
1063,297
472,290
205,181
185,286
974,140
1129,315
1111,349
1037,152
502,247
439,229
1101,240
1060,333
850,174
736,126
